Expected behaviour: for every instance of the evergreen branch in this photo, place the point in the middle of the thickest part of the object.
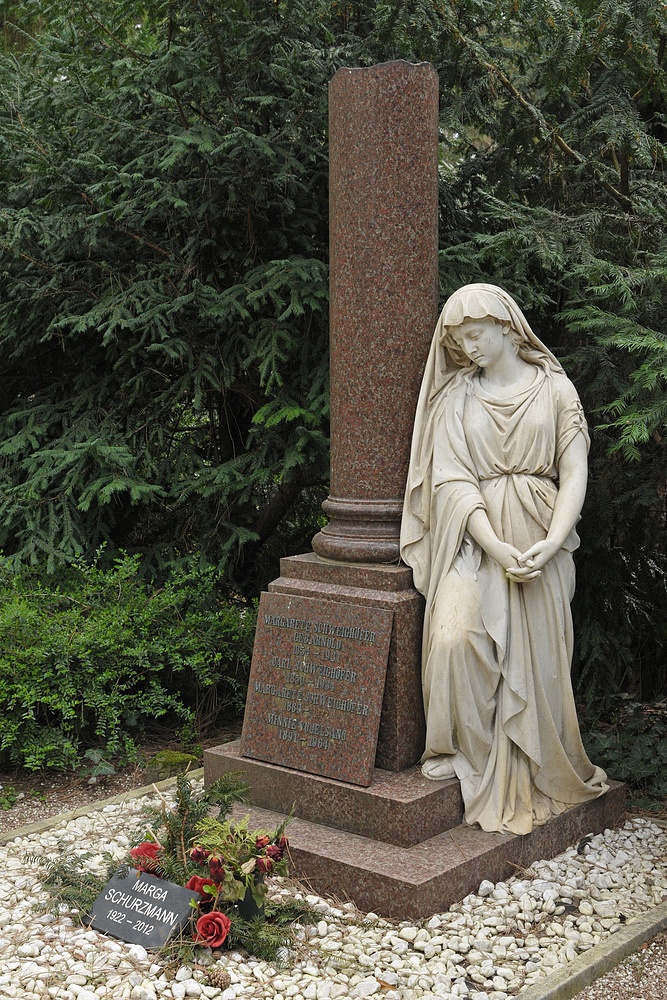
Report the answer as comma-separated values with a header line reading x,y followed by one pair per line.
x,y
662,45
114,39
30,137
544,128
184,117
149,243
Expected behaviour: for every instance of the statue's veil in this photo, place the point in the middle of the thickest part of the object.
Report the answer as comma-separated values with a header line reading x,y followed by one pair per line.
x,y
475,302
444,368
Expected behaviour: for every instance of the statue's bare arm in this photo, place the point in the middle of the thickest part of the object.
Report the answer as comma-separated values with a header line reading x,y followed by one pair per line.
x,y
573,477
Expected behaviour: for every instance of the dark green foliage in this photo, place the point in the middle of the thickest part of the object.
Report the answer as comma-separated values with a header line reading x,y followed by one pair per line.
x,y
89,655
163,291
68,883
97,765
554,186
630,742
163,279
8,797
265,938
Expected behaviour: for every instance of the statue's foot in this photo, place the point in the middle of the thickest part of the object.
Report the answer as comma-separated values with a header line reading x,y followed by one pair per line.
x,y
437,768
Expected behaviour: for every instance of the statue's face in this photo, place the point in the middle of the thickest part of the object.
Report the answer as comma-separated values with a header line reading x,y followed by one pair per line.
x,y
481,340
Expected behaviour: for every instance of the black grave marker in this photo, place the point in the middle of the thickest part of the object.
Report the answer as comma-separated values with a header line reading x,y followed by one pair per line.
x,y
142,909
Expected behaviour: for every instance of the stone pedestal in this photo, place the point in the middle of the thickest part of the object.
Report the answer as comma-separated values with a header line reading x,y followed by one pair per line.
x,y
401,809
399,847
402,729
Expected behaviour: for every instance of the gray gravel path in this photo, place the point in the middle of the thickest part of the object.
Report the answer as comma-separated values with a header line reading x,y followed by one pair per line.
x,y
642,976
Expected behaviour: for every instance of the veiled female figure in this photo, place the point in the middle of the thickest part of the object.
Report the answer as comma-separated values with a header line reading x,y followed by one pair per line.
x,y
495,487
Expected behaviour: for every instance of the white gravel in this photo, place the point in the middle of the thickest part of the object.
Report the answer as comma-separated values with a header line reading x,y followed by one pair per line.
x,y
488,947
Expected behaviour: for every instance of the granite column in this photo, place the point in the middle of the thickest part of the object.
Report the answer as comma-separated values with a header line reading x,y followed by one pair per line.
x,y
397,846
383,185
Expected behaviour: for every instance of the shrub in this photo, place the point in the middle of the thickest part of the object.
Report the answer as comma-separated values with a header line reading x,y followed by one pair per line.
x,y
630,741
88,655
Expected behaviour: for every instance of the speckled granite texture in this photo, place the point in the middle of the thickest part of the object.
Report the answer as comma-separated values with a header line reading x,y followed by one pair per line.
x,y
384,270
427,878
316,685
402,731
397,847
401,809
383,185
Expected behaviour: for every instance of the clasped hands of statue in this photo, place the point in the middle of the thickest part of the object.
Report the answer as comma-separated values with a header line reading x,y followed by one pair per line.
x,y
520,567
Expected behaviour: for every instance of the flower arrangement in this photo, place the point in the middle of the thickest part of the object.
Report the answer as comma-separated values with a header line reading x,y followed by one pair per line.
x,y
229,865
220,859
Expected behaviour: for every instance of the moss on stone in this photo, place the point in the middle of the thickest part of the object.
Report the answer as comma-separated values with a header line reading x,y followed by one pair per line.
x,y
167,763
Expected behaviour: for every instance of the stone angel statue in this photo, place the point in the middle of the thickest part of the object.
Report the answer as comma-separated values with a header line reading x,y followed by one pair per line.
x,y
496,483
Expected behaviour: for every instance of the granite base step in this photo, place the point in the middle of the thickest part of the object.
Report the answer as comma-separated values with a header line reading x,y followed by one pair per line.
x,y
400,808
426,878
399,847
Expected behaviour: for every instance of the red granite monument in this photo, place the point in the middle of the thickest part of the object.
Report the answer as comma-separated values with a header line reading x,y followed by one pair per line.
x,y
367,824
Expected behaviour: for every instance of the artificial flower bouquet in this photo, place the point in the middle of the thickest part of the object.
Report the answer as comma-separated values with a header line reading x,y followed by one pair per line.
x,y
194,844
226,866
221,859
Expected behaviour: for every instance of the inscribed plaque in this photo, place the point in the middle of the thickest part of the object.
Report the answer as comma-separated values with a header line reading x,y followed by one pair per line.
x,y
316,686
142,909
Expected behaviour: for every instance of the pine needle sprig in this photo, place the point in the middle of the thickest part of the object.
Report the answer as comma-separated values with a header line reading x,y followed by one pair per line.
x,y
272,937
69,883
176,826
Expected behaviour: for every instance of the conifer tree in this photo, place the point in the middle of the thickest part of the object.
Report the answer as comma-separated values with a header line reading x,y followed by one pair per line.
x,y
163,289
555,188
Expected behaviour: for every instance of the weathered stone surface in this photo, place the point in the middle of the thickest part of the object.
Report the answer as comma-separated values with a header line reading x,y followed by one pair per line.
x,y
396,847
383,183
428,877
401,809
316,686
401,737
167,763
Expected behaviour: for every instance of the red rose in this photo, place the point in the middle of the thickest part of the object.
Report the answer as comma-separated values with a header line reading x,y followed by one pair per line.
x,y
283,842
264,865
146,850
199,854
261,842
274,852
197,884
212,929
147,855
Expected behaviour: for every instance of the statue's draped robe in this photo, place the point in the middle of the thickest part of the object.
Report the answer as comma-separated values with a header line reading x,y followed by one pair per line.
x,y
497,654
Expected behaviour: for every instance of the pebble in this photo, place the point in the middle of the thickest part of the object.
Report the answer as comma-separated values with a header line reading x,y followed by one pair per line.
x,y
489,946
